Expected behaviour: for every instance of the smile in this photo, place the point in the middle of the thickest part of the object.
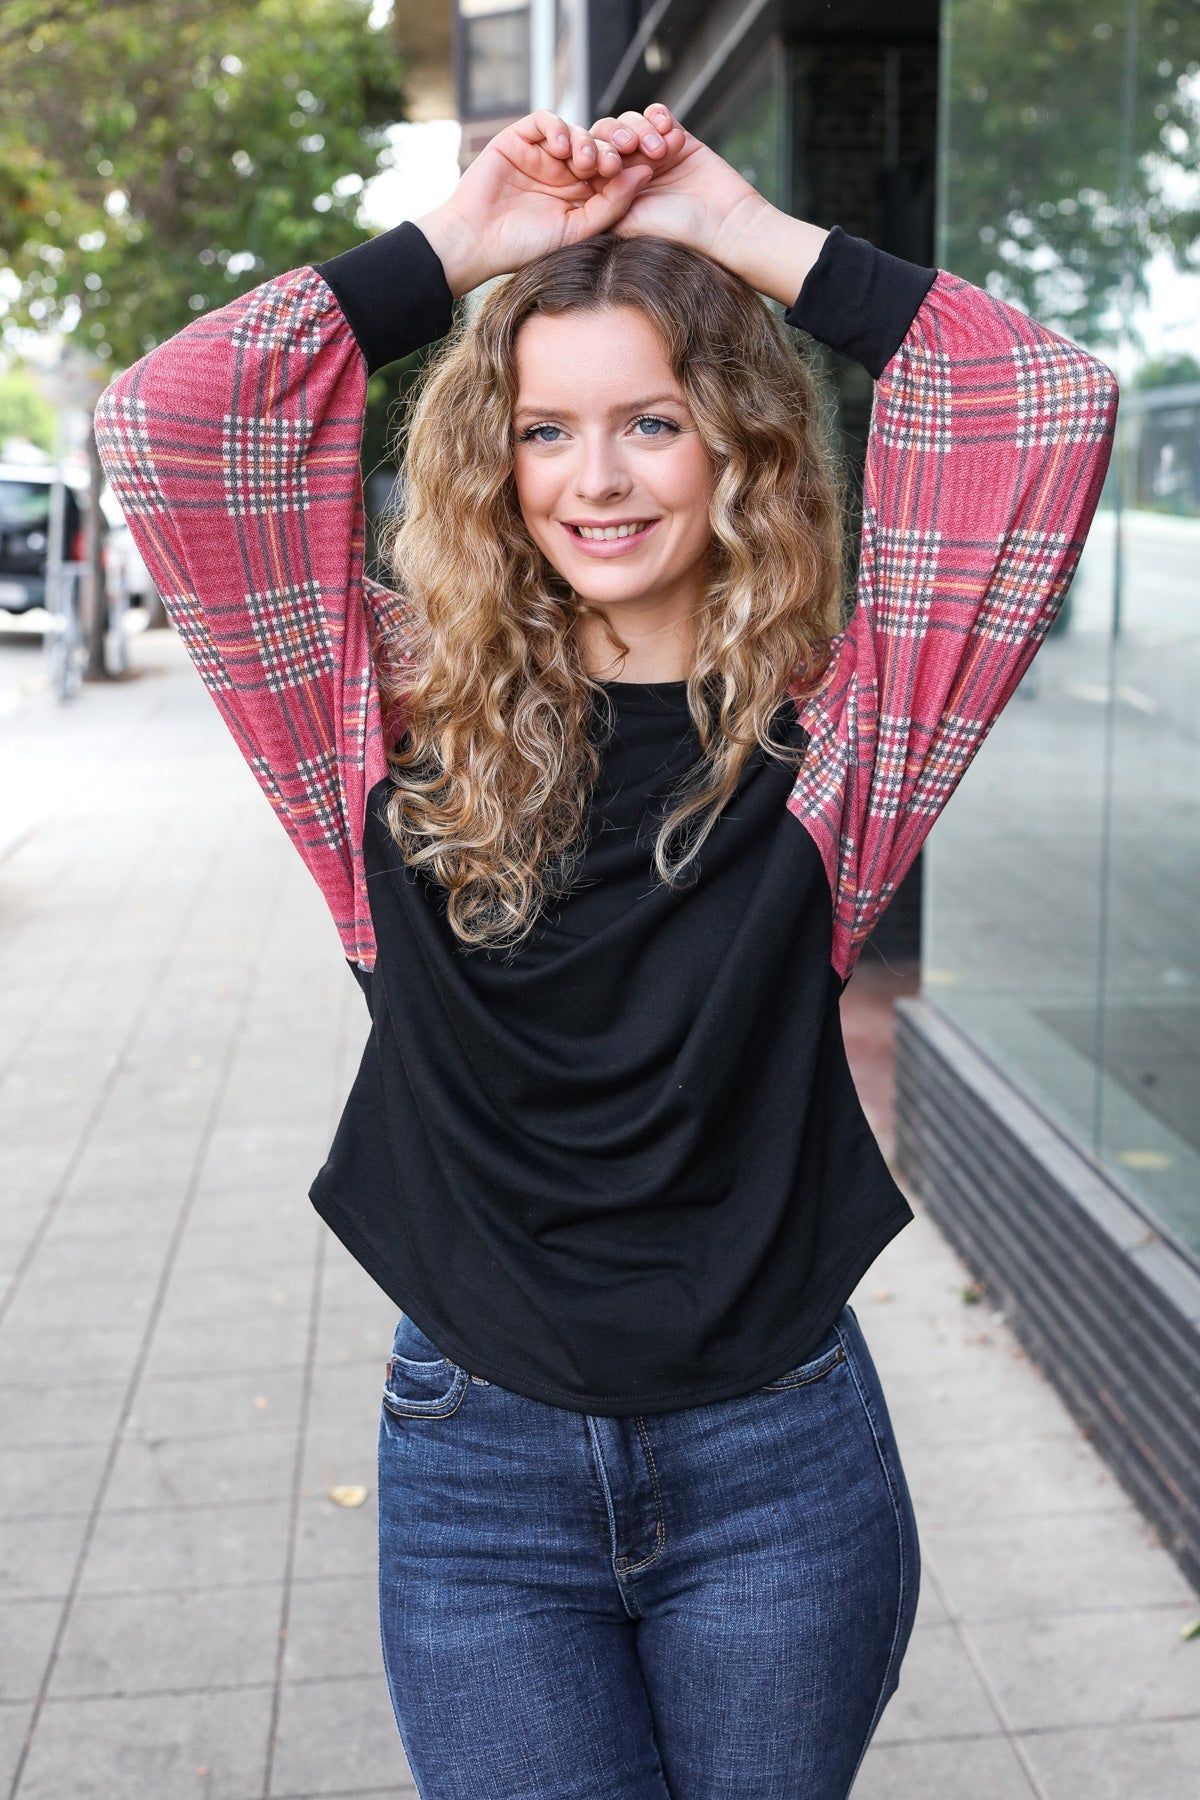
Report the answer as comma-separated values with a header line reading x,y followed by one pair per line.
x,y
611,540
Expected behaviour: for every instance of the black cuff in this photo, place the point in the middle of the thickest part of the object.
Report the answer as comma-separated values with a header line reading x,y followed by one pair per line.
x,y
859,300
393,292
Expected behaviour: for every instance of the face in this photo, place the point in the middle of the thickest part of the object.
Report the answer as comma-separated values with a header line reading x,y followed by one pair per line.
x,y
613,478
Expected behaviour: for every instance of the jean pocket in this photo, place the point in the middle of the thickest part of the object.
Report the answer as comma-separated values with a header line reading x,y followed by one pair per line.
x,y
421,1382
830,1352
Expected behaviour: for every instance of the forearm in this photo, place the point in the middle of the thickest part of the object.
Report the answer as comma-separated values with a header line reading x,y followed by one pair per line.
x,y
772,252
457,248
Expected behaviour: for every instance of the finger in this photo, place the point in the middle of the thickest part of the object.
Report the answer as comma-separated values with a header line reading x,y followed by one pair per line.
x,y
610,160
645,136
545,127
662,118
609,128
589,158
611,202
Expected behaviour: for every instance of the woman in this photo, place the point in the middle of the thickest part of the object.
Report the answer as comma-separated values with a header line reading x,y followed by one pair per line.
x,y
602,860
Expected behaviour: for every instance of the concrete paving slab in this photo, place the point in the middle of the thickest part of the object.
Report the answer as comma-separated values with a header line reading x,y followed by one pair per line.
x,y
128,1644
27,1631
947,1769
336,1540
46,1479
1116,1762
38,1558
33,1413
332,1733
940,1693
251,1343
198,1405
188,1547
339,1453
1054,1563
1009,1477
202,1470
1095,1668
333,1629
14,1725
948,1405
152,1747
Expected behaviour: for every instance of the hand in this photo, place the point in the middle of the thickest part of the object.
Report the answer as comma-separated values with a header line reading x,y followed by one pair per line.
x,y
697,199
539,184
694,197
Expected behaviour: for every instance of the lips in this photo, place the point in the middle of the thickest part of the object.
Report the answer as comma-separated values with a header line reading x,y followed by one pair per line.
x,y
610,546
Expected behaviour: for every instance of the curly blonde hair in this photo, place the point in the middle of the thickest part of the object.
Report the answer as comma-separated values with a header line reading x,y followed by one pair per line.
x,y
492,779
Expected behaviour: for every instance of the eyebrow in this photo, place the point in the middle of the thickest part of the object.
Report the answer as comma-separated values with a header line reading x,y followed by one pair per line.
x,y
623,406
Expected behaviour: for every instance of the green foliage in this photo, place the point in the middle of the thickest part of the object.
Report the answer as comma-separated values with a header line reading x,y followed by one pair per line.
x,y
1045,205
23,412
157,160
1168,371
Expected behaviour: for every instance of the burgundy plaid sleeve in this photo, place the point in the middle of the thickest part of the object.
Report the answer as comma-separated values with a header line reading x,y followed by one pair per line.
x,y
989,441
233,450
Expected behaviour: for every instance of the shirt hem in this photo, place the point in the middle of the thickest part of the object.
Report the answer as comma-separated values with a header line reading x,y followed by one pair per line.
x,y
609,1405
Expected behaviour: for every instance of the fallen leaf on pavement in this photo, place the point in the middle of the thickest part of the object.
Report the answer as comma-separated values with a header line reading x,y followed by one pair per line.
x,y
347,1495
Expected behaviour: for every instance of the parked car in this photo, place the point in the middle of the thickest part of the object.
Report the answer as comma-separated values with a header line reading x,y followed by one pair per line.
x,y
25,530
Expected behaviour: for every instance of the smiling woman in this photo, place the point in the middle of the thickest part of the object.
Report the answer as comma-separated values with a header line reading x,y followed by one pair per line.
x,y
605,805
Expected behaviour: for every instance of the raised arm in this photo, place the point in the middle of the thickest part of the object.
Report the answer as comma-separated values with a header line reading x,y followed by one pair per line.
x,y
990,437
234,449
989,442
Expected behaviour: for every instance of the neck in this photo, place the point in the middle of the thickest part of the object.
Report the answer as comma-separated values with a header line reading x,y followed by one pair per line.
x,y
658,650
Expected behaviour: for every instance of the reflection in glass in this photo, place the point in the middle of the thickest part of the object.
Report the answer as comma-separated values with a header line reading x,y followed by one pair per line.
x,y
1064,901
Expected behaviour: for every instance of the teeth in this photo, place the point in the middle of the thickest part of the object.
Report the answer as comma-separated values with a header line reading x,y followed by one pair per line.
x,y
611,531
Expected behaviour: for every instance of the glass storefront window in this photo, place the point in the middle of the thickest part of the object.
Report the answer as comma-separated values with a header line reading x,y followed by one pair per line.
x,y
749,130
1063,907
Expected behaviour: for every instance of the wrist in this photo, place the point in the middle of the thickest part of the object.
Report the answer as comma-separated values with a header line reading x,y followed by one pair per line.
x,y
456,247
771,251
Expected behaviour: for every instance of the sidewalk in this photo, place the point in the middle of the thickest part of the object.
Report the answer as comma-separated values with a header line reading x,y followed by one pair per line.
x,y
189,1361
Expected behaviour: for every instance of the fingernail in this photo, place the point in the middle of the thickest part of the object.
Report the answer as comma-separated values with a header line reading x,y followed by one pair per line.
x,y
622,135
651,140
562,140
587,149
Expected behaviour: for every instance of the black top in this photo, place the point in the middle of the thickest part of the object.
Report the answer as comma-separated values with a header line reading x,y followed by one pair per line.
x,y
623,1169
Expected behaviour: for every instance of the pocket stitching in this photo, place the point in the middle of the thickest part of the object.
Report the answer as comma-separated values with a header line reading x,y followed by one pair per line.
x,y
402,1407
806,1373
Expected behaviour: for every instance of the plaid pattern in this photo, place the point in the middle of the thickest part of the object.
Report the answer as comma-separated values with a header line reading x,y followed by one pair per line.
x,y
234,450
288,626
124,425
190,621
1057,404
989,442
920,419
264,464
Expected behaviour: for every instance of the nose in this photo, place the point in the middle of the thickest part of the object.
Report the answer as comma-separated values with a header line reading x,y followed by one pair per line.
x,y
600,473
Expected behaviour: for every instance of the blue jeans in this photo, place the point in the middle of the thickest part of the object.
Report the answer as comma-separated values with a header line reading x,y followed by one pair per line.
x,y
709,1604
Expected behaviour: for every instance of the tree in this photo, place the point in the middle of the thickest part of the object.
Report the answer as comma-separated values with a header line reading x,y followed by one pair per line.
x,y
23,412
1048,203
157,160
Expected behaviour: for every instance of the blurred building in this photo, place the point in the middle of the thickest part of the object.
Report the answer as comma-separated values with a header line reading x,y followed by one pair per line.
x,y
1049,1072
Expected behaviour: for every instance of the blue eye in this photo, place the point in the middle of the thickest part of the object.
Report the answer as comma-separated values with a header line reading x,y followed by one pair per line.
x,y
652,419
532,434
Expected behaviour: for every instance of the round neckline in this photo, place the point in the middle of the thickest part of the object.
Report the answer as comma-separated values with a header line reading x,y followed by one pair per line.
x,y
643,687
666,698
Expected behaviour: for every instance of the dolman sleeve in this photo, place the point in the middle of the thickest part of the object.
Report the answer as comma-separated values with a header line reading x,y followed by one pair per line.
x,y
989,441
233,450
